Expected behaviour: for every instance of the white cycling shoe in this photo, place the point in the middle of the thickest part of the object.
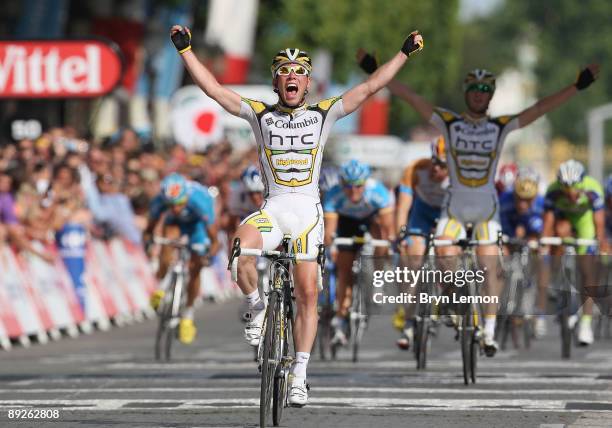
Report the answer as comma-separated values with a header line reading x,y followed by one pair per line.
x,y
252,330
540,327
585,333
298,392
490,345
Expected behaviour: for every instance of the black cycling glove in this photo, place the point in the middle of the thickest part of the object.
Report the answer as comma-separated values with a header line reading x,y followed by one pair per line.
x,y
182,40
410,46
584,79
368,63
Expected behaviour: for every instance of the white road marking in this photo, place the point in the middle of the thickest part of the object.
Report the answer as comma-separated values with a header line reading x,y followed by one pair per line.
x,y
323,402
319,389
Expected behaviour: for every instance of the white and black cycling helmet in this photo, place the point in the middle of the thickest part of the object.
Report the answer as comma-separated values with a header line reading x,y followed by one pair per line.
x,y
570,173
251,179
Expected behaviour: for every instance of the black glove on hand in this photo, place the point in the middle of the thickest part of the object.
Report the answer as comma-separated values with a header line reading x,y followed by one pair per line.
x,y
368,63
182,40
410,46
584,79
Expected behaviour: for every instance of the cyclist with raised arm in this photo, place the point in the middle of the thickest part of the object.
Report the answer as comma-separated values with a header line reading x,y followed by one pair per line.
x,y
290,137
357,205
187,206
474,144
574,207
421,193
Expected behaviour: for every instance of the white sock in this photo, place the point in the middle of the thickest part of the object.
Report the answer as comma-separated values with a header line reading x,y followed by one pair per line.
x,y
255,302
301,362
188,313
489,326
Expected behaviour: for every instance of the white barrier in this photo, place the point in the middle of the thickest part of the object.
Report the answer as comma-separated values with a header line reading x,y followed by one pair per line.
x,y
38,299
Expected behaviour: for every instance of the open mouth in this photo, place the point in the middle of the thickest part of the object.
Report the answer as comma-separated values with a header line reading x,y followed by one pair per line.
x,y
291,89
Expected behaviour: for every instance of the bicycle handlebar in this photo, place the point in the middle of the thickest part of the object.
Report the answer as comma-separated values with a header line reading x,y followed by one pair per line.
x,y
361,240
272,254
569,241
178,243
463,242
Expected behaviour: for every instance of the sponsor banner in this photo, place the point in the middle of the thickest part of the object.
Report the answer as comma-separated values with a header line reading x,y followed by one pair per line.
x,y
94,280
51,290
108,278
141,266
129,274
10,300
19,313
58,68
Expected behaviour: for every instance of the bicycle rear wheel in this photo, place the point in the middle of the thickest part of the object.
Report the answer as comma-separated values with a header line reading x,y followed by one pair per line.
x,y
270,357
468,354
421,340
566,331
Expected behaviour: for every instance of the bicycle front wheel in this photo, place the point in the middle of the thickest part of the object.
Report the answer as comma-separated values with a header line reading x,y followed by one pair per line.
x,y
162,335
270,358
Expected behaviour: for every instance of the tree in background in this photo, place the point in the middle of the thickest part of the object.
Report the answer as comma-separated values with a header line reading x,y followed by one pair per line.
x,y
342,26
568,34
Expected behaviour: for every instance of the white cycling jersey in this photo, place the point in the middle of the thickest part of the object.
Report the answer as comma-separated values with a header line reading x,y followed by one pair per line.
x,y
473,149
291,143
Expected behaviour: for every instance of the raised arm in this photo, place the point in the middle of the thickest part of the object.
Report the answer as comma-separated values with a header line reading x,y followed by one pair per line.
x,y
423,107
228,99
355,96
551,102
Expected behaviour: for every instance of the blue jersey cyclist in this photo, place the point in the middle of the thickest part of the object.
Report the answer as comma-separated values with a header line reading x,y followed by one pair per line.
x,y
356,205
522,217
187,209
522,208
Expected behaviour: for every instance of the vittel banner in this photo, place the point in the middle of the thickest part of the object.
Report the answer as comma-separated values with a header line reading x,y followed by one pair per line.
x,y
58,68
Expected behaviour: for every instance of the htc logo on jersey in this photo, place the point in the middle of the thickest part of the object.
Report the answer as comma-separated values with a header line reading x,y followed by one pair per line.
x,y
474,145
296,125
306,139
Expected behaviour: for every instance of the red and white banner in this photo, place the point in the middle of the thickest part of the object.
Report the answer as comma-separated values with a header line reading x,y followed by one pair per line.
x,y
237,44
37,297
19,312
58,68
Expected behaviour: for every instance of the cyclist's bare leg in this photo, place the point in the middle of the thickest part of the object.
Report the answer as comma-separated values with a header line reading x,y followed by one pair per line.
x,y
167,253
306,293
250,237
489,261
196,263
412,254
344,290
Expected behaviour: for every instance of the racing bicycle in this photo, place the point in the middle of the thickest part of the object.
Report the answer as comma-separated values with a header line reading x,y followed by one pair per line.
x,y
173,301
276,348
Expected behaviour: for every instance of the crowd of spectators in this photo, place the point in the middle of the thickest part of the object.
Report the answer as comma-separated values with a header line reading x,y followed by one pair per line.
x,y
105,186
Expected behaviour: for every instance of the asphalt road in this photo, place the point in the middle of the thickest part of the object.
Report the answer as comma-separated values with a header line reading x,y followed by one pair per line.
x,y
110,379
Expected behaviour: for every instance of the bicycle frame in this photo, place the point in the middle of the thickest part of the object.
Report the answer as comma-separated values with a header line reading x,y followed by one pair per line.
x,y
273,351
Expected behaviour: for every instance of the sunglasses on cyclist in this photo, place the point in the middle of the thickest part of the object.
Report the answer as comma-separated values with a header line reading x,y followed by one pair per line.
x,y
439,163
285,70
480,87
354,185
